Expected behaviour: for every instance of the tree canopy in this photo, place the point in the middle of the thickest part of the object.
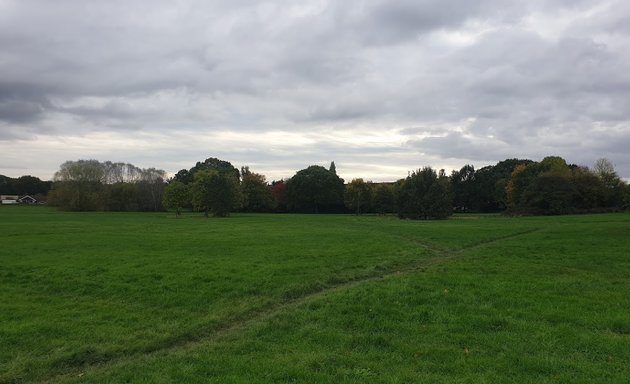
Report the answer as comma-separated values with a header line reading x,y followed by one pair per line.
x,y
315,189
516,186
211,163
215,192
425,195
358,196
89,185
257,195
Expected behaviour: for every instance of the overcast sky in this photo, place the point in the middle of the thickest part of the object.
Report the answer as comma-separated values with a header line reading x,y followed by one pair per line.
x,y
380,87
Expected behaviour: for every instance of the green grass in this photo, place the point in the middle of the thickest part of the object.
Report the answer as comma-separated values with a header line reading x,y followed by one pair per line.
x,y
130,297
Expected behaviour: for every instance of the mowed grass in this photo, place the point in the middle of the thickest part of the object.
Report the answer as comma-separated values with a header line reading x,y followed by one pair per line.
x,y
130,297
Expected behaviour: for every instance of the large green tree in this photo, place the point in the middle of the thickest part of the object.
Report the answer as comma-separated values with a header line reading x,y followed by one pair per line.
x,y
465,196
256,193
553,187
211,163
278,192
88,185
425,195
613,185
24,185
383,198
215,192
358,196
176,196
550,193
315,189
79,186
487,191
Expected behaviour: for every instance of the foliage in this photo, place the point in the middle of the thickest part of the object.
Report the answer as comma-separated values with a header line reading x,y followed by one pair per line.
x,y
464,189
552,187
315,189
25,185
211,163
78,195
424,195
484,189
278,193
176,196
256,193
89,185
550,193
588,190
626,197
121,197
81,170
612,184
333,168
383,200
215,192
358,196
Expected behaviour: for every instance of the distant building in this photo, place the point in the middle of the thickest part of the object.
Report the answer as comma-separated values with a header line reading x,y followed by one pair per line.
x,y
9,199
28,199
16,199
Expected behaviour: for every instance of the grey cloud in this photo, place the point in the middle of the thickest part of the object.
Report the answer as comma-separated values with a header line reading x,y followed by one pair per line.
x,y
22,103
20,111
245,65
457,146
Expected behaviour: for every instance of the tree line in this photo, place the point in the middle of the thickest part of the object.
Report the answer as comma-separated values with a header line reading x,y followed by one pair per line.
x,y
215,187
90,185
24,185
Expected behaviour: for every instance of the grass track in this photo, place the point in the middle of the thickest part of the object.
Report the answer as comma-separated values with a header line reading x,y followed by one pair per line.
x,y
273,298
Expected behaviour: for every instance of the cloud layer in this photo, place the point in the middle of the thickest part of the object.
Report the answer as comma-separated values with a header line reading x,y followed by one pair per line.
x,y
380,87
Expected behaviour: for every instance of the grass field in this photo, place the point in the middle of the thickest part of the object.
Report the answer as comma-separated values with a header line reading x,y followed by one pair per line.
x,y
147,298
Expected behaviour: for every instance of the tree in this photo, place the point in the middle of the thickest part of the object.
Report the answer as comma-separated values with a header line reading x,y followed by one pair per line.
x,y
121,173
315,189
613,186
358,196
151,185
184,176
333,168
256,193
88,185
490,185
552,187
383,199
278,192
424,195
24,185
122,197
551,193
7,186
603,167
211,163
626,197
464,189
522,177
588,190
176,196
214,192
78,186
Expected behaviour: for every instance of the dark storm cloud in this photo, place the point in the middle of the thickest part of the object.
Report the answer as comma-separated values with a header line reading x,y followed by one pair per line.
x,y
22,103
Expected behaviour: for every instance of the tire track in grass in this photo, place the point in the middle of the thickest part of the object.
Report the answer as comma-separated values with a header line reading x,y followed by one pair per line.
x,y
259,315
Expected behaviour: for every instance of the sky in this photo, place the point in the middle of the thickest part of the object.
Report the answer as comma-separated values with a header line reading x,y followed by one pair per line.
x,y
379,87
